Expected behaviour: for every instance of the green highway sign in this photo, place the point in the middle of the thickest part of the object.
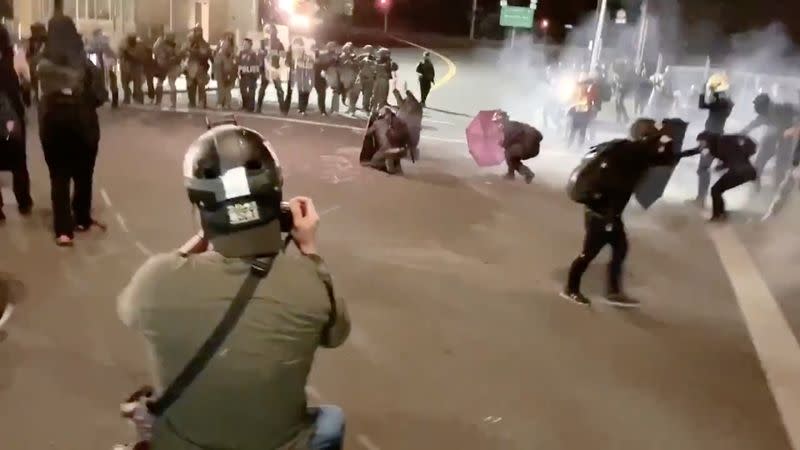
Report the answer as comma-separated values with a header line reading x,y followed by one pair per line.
x,y
517,16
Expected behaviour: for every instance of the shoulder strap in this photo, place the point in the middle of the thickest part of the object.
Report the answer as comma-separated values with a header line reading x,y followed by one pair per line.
x,y
258,272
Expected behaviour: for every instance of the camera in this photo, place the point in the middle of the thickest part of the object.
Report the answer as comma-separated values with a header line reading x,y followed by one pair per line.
x,y
285,217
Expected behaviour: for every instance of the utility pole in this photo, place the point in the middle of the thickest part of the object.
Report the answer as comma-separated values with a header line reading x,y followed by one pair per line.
x,y
642,39
386,22
598,36
472,21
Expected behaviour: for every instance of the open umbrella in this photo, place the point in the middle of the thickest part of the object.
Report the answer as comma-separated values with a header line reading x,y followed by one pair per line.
x,y
484,140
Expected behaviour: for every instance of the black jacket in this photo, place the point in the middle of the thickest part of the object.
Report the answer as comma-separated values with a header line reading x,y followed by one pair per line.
x,y
719,109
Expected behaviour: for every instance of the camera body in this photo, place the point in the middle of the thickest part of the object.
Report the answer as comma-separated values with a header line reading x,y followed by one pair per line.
x,y
285,217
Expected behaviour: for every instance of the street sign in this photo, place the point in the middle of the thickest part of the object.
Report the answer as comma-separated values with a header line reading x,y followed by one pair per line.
x,y
622,17
516,16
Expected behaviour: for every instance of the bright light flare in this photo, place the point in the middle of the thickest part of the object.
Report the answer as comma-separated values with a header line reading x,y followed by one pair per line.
x,y
545,23
567,88
286,5
300,21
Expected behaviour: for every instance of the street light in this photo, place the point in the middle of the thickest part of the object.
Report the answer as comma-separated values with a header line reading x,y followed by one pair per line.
x,y
545,24
385,6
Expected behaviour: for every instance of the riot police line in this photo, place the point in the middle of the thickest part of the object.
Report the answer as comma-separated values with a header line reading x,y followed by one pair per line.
x,y
337,73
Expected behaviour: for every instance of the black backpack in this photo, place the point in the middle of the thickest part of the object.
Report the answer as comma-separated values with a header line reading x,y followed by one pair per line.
x,y
589,180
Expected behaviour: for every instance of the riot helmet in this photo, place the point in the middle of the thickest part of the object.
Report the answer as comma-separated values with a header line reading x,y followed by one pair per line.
x,y
234,179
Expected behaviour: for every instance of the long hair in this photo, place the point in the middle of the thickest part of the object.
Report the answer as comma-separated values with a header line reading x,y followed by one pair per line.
x,y
64,44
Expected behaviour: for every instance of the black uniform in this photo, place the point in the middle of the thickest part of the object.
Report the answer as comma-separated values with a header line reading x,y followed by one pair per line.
x,y
719,109
271,53
249,70
777,117
322,62
427,76
68,126
603,216
521,142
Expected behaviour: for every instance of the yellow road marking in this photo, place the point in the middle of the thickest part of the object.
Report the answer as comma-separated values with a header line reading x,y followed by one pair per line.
x,y
451,66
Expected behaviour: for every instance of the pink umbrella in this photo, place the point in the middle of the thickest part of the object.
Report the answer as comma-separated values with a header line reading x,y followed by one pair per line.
x,y
484,140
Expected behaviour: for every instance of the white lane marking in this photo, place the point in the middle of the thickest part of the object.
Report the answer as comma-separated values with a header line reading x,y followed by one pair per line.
x,y
142,248
122,224
775,344
291,120
365,442
106,198
451,66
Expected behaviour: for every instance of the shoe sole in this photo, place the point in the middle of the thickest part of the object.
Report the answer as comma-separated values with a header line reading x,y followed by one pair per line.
x,y
571,300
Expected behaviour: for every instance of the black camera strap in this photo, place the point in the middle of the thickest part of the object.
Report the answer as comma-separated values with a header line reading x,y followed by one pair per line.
x,y
258,271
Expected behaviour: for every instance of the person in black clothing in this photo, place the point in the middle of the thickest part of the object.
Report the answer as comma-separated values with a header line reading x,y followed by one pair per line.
x,y
734,152
603,212
427,76
521,142
249,68
68,127
643,87
777,117
719,106
321,63
13,155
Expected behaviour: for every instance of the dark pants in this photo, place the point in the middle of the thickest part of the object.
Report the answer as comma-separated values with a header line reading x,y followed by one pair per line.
x,y
14,150
262,90
132,77
70,136
514,162
599,233
302,101
321,88
247,87
622,111
732,178
703,177
774,145
424,90
113,86
196,91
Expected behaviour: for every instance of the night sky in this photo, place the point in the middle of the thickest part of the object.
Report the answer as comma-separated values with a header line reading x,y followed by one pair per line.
x,y
452,16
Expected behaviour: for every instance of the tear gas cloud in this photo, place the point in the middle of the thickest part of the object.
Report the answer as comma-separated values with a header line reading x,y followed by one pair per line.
x,y
683,45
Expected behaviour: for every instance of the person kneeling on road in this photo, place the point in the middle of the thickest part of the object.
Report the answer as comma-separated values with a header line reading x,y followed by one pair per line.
x,y
521,142
251,393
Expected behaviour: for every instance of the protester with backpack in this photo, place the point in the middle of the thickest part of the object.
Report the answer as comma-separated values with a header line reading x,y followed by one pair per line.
x,y
604,183
72,89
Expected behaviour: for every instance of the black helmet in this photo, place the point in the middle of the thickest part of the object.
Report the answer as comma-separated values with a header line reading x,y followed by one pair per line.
x,y
234,179
761,103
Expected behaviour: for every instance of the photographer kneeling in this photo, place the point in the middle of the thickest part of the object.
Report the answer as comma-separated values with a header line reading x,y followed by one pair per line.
x,y
246,390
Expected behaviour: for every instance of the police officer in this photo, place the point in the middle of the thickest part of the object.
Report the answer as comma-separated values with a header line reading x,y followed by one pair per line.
x,y
168,63
225,72
427,76
303,61
322,63
603,207
385,68
132,58
249,70
348,72
255,395
272,53
198,54
777,117
100,47
365,82
719,106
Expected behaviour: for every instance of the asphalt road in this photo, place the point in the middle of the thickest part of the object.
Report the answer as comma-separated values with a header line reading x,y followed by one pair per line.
x,y
451,275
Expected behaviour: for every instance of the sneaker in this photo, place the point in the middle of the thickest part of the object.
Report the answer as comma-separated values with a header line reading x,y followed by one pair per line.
x,y
575,297
64,241
26,210
718,218
529,177
621,301
2,216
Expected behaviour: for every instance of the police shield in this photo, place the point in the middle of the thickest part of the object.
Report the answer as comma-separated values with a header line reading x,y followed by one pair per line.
x,y
655,180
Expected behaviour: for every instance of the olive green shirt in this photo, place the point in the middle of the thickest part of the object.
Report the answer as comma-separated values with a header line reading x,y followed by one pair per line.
x,y
252,393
